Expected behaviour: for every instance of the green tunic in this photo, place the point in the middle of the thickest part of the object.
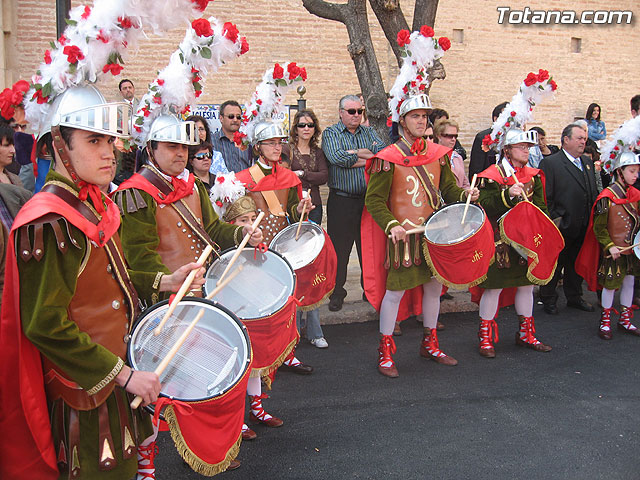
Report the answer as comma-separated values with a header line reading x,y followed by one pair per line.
x,y
140,239
496,201
611,272
376,201
46,290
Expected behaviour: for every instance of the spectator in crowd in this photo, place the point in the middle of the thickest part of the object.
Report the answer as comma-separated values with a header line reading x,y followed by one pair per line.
x,y
200,162
635,106
128,92
235,159
365,118
545,149
439,113
445,132
308,162
597,129
602,178
204,134
347,145
481,160
571,191
23,165
7,154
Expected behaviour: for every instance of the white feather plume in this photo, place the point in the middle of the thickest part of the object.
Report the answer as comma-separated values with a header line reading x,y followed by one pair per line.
x,y
625,139
180,83
225,190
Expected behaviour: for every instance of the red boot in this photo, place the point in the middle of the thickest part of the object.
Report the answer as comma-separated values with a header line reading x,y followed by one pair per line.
x,y
487,334
624,323
385,363
258,415
430,348
604,332
526,335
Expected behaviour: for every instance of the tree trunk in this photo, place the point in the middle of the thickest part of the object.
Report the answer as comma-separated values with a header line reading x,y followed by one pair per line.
x,y
424,13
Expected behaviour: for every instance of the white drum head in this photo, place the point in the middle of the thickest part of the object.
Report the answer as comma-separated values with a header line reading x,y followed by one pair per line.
x,y
299,253
444,226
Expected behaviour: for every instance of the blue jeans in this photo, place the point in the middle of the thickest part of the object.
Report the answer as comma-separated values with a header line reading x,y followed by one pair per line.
x,y
314,330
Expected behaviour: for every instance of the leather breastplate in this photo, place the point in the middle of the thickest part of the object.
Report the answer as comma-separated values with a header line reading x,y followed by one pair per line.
x,y
100,310
179,244
410,201
622,222
272,224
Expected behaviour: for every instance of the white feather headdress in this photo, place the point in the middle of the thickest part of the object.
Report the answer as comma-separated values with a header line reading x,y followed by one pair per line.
x,y
94,44
267,100
419,50
625,139
535,88
207,45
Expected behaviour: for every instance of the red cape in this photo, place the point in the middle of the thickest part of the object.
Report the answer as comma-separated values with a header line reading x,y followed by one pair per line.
x,y
374,240
524,175
279,179
141,183
27,445
589,256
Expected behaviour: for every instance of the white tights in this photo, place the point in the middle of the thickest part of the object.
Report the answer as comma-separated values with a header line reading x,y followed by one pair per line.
x,y
430,306
490,299
626,293
254,387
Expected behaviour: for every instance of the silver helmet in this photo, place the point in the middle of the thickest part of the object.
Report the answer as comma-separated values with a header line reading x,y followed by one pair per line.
x,y
416,102
85,108
625,159
169,128
515,136
266,129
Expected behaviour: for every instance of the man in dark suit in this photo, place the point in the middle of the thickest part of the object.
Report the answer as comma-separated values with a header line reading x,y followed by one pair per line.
x,y
571,192
480,159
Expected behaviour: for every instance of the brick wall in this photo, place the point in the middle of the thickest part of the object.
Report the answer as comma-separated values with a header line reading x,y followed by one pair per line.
x,y
482,71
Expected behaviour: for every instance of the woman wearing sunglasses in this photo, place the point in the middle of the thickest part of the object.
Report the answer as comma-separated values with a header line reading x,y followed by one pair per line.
x,y
200,163
445,133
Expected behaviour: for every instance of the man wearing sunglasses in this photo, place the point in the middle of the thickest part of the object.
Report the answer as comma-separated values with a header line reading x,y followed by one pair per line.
x,y
347,145
235,159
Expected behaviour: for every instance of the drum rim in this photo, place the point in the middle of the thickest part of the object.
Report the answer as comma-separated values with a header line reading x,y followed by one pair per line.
x,y
314,225
234,317
636,249
233,249
466,237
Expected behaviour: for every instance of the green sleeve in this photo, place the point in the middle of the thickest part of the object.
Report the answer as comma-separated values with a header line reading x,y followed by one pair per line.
x,y
292,205
450,190
377,197
600,230
493,199
140,240
538,198
46,289
224,234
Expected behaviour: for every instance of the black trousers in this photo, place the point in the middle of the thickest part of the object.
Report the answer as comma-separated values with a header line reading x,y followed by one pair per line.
x,y
571,282
343,226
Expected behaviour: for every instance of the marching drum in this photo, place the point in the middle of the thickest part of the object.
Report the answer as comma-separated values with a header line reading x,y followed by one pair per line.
x,y
535,237
636,242
204,385
313,258
459,254
261,295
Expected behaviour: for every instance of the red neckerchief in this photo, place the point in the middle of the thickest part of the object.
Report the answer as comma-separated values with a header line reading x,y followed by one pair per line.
x,y
633,195
395,154
279,179
181,188
523,174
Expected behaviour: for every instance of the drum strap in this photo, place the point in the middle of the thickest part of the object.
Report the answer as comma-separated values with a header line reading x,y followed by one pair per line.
x,y
113,252
269,195
179,206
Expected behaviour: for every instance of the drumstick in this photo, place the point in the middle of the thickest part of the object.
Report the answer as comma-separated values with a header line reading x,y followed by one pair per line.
x,y
176,346
241,246
224,283
466,207
624,249
183,289
304,208
413,230
524,194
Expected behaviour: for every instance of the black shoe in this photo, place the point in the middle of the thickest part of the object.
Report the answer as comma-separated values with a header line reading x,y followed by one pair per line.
x,y
551,308
300,369
335,304
580,304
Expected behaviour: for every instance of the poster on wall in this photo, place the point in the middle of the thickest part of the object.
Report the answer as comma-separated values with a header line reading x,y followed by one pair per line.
x,y
211,113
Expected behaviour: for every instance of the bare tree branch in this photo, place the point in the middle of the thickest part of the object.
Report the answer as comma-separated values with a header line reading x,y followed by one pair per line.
x,y
392,20
424,13
322,9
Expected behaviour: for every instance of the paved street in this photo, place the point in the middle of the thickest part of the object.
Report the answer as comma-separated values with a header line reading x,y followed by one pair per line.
x,y
568,414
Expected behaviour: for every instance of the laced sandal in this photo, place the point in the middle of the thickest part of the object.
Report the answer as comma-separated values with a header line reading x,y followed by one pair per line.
x,y
525,337
604,332
385,362
430,348
258,415
624,323
487,334
146,467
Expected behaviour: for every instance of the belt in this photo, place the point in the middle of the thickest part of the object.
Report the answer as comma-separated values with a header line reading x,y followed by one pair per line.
x,y
346,194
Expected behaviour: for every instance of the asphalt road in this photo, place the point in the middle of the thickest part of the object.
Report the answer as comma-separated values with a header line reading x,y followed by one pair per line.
x,y
571,413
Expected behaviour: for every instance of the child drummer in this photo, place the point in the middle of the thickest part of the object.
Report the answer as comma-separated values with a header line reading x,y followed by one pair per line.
x,y
612,230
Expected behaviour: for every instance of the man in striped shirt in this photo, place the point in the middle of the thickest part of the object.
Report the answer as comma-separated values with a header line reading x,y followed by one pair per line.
x,y
347,145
